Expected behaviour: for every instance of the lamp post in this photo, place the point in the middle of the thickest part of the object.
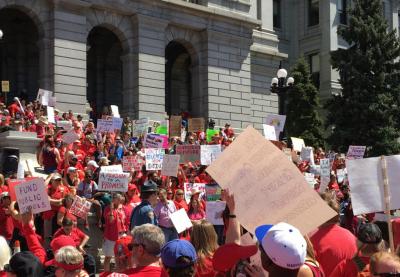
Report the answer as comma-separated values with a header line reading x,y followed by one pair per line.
x,y
279,87
1,34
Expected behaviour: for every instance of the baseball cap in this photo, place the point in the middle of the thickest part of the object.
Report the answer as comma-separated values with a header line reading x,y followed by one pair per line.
x,y
132,187
71,169
93,163
228,255
25,264
283,244
369,233
56,177
60,242
174,249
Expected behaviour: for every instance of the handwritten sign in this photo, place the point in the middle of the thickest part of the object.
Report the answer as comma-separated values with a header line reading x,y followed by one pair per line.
x,y
113,181
43,96
170,165
298,144
130,163
366,184
117,168
175,126
80,207
310,178
196,125
188,153
356,152
50,114
188,187
276,120
214,210
325,174
32,195
263,179
181,221
154,158
209,153
65,124
269,132
104,125
139,127
156,141
117,123
70,136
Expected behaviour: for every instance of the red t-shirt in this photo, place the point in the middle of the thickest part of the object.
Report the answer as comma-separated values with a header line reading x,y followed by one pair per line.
x,y
207,270
118,225
332,244
347,268
181,204
146,271
7,225
76,234
68,214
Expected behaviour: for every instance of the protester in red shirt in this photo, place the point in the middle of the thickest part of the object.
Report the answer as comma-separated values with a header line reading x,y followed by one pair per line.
x,y
6,222
69,229
14,108
180,202
64,211
115,227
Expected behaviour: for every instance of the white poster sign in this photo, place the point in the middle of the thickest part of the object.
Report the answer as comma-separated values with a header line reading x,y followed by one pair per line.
x,y
112,169
181,221
65,124
104,125
140,127
44,96
115,111
170,165
50,114
276,120
32,195
113,181
307,154
209,153
154,158
356,152
70,136
117,123
298,144
214,210
270,133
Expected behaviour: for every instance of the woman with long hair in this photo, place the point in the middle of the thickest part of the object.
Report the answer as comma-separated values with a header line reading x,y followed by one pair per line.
x,y
196,211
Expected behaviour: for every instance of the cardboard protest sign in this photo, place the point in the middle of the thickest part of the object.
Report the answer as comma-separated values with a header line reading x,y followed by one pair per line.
x,y
104,125
210,133
196,125
310,178
170,165
298,144
213,192
5,86
113,181
356,152
70,136
175,126
366,184
130,163
188,152
276,120
32,195
187,188
181,221
325,174
115,111
43,96
52,101
80,207
65,124
208,153
111,168
269,132
307,154
50,114
156,141
117,123
214,210
263,179
154,158
139,127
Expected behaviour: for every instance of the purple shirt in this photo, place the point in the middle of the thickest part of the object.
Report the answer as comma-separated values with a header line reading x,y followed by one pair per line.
x,y
163,212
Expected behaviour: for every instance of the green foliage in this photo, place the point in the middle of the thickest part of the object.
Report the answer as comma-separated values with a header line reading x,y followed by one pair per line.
x,y
302,119
367,112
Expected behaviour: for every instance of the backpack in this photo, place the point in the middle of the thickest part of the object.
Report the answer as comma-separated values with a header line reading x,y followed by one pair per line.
x,y
362,268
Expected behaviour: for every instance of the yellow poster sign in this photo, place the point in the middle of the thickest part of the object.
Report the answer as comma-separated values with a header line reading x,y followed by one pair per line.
x,y
5,86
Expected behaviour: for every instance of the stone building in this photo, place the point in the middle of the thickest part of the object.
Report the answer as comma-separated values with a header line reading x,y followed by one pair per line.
x,y
213,58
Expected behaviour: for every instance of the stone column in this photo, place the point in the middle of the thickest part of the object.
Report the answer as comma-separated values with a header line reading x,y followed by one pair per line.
x,y
130,104
45,63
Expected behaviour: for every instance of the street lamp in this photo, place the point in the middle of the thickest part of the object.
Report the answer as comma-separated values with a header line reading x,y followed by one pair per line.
x,y
279,87
1,34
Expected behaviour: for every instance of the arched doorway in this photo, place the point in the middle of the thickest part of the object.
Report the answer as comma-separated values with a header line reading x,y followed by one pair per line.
x,y
178,79
104,70
19,54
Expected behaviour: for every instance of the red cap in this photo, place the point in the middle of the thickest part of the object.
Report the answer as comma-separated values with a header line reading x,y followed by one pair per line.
x,y
228,255
132,187
60,242
122,244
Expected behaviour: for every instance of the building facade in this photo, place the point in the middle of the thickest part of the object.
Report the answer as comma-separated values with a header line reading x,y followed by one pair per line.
x,y
212,58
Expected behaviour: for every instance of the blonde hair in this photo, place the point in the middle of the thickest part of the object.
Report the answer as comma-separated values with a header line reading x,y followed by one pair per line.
x,y
380,257
5,253
69,255
204,239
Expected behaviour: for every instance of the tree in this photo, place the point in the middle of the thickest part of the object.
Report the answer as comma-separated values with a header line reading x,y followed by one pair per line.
x,y
367,110
302,119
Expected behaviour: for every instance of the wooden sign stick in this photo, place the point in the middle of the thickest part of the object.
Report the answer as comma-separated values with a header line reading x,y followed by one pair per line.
x,y
386,199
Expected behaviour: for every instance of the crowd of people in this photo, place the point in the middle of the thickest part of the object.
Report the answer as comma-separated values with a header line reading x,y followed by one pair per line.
x,y
139,237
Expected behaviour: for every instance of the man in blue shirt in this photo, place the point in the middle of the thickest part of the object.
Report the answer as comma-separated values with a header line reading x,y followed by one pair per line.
x,y
144,212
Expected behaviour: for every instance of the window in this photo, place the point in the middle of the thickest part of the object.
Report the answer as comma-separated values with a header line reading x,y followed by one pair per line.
x,y
314,68
313,12
277,13
342,11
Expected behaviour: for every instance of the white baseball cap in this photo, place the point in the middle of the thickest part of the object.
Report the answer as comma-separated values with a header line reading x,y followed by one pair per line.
x,y
283,244
93,163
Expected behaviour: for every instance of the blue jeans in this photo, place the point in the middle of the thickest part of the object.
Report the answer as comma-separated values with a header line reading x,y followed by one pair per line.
x,y
169,233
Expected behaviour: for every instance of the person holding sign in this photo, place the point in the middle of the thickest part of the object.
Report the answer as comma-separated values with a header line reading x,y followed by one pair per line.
x,y
64,211
115,227
162,211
